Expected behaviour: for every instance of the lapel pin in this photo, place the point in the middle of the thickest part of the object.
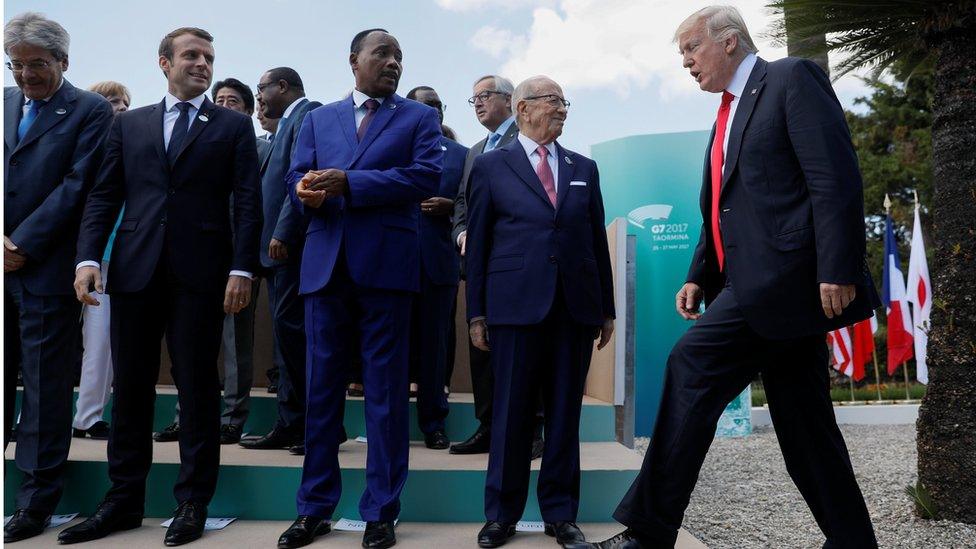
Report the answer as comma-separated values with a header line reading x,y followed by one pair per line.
x,y
392,106
203,118
568,161
443,148
60,111
753,91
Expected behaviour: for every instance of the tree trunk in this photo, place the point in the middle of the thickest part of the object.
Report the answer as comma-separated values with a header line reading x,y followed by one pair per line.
x,y
947,418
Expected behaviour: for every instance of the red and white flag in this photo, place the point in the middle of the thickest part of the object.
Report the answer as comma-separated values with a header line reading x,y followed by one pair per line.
x,y
920,296
840,343
863,336
895,299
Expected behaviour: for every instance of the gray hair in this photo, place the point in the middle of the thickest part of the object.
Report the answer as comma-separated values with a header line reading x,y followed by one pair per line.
x,y
501,83
35,29
527,88
721,22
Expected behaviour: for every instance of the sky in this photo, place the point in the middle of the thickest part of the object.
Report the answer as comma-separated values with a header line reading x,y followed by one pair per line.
x,y
614,58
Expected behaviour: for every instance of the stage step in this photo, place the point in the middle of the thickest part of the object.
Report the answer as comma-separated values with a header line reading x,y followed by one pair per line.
x,y
261,484
410,535
596,421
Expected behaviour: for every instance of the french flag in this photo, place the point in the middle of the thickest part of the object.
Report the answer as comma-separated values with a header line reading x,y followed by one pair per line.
x,y
895,298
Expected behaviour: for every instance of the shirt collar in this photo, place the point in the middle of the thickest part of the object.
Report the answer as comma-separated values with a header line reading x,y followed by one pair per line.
x,y
531,146
358,98
741,76
292,107
197,101
502,128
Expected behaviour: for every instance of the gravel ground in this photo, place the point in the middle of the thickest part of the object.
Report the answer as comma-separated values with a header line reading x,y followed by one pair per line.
x,y
760,507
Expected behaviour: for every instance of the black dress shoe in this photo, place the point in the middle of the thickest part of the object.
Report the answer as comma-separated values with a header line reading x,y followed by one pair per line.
x,y
379,535
479,442
230,434
98,431
567,534
273,387
170,433
187,525
109,516
624,540
297,450
538,446
274,440
303,531
495,534
437,440
25,524
354,392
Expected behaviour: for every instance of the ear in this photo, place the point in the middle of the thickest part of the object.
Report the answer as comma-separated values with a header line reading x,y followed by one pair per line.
x,y
354,61
164,64
64,64
731,44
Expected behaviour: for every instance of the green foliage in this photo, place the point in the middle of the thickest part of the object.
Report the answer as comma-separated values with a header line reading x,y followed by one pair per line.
x,y
924,506
893,390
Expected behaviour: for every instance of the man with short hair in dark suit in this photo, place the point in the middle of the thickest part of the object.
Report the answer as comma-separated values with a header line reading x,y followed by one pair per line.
x,y
432,319
179,264
540,290
52,135
358,170
281,95
780,262
492,103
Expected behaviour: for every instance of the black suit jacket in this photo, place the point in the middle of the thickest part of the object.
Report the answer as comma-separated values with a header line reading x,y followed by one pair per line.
x,y
791,205
45,179
180,214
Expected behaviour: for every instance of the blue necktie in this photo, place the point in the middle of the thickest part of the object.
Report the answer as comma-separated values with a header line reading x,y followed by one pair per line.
x,y
28,119
179,132
492,141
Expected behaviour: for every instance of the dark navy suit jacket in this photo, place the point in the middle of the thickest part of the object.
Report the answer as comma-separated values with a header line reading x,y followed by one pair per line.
x,y
282,221
792,208
183,211
45,179
437,251
520,249
396,165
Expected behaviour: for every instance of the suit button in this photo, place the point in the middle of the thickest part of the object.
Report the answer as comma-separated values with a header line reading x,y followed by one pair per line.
x,y
14,162
552,259
162,222
172,192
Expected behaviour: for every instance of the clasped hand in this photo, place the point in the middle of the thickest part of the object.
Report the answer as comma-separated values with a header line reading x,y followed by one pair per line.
x,y
320,185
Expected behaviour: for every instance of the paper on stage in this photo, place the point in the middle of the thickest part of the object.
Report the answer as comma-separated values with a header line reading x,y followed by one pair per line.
x,y
211,524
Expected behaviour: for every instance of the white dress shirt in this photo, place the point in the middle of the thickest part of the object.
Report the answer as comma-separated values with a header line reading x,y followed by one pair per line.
x,y
531,150
737,87
358,98
170,115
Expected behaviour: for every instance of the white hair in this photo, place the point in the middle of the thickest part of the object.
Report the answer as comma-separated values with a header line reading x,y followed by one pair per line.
x,y
527,88
500,83
35,29
721,22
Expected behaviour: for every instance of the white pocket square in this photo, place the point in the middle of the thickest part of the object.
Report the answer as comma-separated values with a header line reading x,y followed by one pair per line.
x,y
577,183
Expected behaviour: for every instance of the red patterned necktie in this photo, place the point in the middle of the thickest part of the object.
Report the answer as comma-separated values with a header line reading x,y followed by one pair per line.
x,y
545,174
718,157
371,106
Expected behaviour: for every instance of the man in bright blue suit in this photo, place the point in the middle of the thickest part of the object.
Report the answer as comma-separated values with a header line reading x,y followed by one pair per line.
x,y
358,170
539,278
432,311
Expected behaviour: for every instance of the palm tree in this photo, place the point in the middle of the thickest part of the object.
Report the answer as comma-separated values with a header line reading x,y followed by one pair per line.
x,y
876,34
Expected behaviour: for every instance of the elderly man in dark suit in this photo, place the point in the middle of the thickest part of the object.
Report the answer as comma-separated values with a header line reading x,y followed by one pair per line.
x,y
539,291
186,264
51,148
281,95
780,262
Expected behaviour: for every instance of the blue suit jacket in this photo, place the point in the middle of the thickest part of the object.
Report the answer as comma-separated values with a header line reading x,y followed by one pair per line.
x,y
282,221
520,249
396,165
437,251
791,203
45,179
181,212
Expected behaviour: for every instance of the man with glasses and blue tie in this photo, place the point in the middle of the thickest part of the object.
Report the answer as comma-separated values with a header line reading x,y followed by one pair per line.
x,y
52,133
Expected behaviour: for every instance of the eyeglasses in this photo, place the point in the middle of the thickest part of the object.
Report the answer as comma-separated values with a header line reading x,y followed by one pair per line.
x,y
34,66
261,87
485,96
437,105
552,99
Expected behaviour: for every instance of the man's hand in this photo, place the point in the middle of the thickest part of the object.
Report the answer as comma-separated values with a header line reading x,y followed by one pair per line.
x,y
437,205
835,297
606,332
13,258
277,250
332,181
238,294
479,334
86,278
688,300
463,237
310,198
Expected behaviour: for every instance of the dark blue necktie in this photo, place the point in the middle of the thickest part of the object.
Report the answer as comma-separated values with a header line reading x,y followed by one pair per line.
x,y
28,119
179,132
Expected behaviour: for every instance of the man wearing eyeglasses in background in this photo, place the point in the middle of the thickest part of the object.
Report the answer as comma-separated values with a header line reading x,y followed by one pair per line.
x,y
492,105
539,292
51,149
